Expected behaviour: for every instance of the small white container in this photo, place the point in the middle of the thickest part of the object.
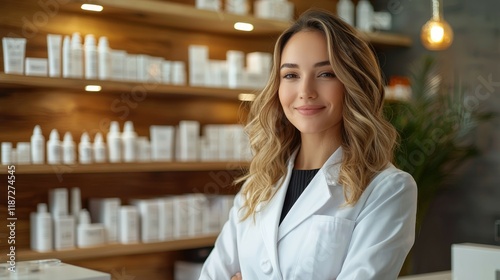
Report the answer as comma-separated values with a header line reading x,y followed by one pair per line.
x,y
23,152
100,154
54,148
76,56
36,67
90,52
37,146
87,234
66,57
68,149
104,59
14,50
345,10
54,47
128,222
64,232
41,229
364,16
114,142
85,149
129,142
6,153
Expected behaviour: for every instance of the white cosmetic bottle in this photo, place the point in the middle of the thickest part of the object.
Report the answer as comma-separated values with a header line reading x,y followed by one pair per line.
x,y
103,58
99,149
364,16
85,149
66,57
76,56
87,234
90,50
54,154
75,203
129,141
114,142
37,146
345,10
68,149
41,229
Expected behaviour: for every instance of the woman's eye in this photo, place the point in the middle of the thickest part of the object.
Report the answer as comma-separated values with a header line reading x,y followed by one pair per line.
x,y
327,75
289,76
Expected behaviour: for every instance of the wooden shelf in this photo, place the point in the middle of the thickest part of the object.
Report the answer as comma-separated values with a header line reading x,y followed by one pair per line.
x,y
117,249
125,167
21,81
380,38
188,17
182,16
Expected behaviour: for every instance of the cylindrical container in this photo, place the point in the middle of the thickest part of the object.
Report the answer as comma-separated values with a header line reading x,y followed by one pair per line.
x,y
90,53
54,154
37,146
345,10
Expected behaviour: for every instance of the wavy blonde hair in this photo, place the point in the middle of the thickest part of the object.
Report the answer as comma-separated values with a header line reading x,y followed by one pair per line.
x,y
368,139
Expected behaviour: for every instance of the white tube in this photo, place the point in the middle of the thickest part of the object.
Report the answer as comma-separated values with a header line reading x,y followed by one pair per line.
x,y
14,50
66,57
90,53
54,45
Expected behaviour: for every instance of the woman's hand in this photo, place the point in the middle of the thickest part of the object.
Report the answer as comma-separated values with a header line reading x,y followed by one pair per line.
x,y
237,276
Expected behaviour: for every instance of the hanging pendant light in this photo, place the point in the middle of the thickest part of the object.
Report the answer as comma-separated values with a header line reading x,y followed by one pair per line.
x,y
436,34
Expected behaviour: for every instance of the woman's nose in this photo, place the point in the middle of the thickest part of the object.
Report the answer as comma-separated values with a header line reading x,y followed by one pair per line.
x,y
307,89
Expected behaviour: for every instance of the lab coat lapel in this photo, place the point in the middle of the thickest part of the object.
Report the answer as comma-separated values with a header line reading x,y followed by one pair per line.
x,y
316,195
270,214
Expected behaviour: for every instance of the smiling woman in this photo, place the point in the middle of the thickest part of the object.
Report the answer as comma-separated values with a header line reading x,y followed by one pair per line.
x,y
321,199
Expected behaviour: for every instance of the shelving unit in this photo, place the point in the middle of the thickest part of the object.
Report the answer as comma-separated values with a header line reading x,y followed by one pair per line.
x,y
30,82
117,249
153,27
188,17
127,167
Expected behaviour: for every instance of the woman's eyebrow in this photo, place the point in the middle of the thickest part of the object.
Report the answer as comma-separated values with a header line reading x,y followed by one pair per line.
x,y
293,65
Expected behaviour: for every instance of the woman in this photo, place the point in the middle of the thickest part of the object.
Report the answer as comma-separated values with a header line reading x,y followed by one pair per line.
x,y
321,199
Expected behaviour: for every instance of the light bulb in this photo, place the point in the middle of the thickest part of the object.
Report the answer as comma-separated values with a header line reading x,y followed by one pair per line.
x,y
436,33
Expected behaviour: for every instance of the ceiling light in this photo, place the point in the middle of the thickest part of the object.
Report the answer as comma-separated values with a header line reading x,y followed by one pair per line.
x,y
92,7
93,88
243,26
436,34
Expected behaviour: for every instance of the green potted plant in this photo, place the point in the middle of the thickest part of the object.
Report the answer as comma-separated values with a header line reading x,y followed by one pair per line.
x,y
435,128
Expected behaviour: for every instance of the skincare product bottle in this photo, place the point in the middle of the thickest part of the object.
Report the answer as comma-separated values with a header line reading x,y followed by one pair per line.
x,y
128,222
68,149
345,10
6,153
129,141
66,57
54,45
14,50
54,148
64,232
105,211
364,15
76,56
90,57
41,229
99,149
87,234
37,146
114,142
104,58
76,203
85,149
23,152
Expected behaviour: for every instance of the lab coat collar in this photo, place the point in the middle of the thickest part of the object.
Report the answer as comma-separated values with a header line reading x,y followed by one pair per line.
x,y
317,194
314,197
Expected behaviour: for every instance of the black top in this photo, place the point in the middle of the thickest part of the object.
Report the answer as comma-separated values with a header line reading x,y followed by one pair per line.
x,y
298,183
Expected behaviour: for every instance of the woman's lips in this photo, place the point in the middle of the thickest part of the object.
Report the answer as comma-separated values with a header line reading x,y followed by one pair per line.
x,y
309,110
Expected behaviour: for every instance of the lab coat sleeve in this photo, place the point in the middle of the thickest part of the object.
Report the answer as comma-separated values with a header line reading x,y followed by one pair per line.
x,y
384,231
223,261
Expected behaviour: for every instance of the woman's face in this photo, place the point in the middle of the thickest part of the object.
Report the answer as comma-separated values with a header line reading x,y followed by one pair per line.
x,y
309,92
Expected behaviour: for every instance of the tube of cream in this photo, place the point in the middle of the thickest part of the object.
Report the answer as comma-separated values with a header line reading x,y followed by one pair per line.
x,y
54,44
14,50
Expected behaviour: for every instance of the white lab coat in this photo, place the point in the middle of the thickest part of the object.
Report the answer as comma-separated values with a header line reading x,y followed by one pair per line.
x,y
320,238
